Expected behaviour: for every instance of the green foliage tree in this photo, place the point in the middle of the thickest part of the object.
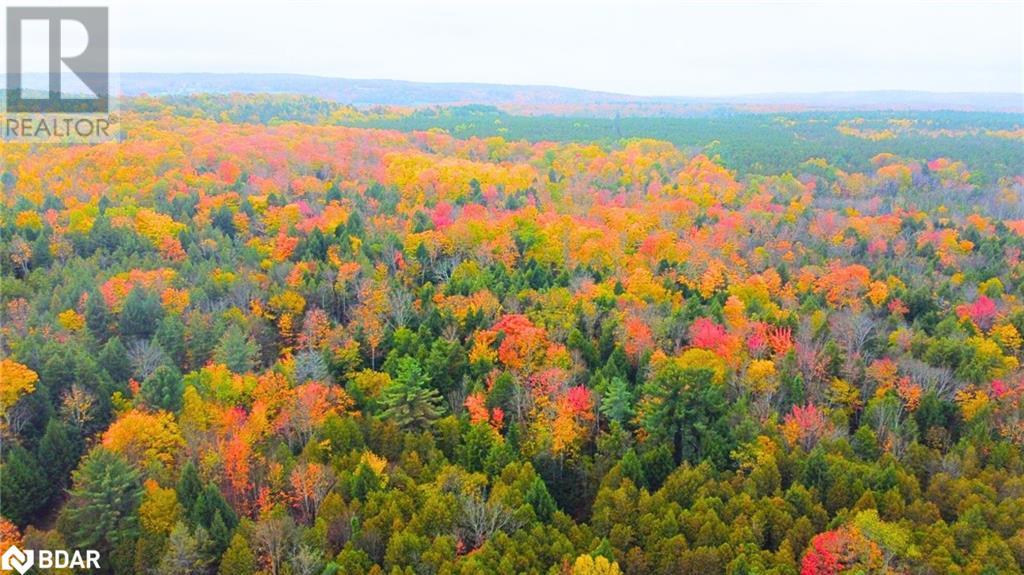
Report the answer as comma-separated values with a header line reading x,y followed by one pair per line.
x,y
540,499
684,405
114,360
60,447
26,488
171,337
140,315
97,316
408,401
236,350
617,403
102,512
163,389
238,559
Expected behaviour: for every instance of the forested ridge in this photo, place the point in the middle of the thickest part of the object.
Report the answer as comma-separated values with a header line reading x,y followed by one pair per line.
x,y
268,334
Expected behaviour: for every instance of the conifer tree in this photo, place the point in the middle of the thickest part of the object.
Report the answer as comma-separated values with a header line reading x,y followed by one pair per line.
x,y
102,513
24,486
408,401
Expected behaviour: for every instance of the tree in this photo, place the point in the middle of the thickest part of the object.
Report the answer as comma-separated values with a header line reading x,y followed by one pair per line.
x,y
77,406
189,487
102,512
306,560
238,559
141,314
184,553
16,380
171,337
60,448
481,518
617,403
587,565
150,441
846,548
407,400
163,389
805,426
237,350
97,316
538,496
9,534
274,537
114,359
26,489
146,356
684,405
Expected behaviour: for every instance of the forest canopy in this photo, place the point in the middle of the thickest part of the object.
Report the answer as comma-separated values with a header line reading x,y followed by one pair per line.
x,y
273,334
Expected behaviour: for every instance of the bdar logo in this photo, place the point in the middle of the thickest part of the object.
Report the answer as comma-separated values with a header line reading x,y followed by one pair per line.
x,y
15,559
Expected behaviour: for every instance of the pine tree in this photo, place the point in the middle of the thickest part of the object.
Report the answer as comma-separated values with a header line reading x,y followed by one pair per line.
x,y
42,257
171,337
632,468
538,496
97,317
24,486
140,315
114,359
236,350
102,512
163,389
617,403
220,534
683,405
210,504
60,448
189,488
408,401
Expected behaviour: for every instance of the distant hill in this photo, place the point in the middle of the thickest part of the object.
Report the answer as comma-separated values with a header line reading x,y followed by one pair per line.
x,y
557,99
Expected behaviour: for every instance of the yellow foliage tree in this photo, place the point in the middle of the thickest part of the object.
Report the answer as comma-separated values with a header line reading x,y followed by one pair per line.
x,y
16,380
148,440
587,565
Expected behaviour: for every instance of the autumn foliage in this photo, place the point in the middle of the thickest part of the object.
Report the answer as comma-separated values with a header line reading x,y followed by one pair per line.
x,y
273,334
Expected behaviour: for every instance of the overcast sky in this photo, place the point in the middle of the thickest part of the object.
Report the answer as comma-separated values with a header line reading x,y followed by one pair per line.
x,y
645,48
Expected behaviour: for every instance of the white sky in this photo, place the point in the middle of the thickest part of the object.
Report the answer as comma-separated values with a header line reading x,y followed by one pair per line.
x,y
646,48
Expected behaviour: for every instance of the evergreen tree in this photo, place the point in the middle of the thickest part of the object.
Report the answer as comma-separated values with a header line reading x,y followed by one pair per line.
x,y
202,333
617,403
114,360
24,486
163,389
632,468
684,405
60,448
189,488
97,317
209,505
408,401
540,499
220,535
102,512
171,337
42,257
141,314
237,350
